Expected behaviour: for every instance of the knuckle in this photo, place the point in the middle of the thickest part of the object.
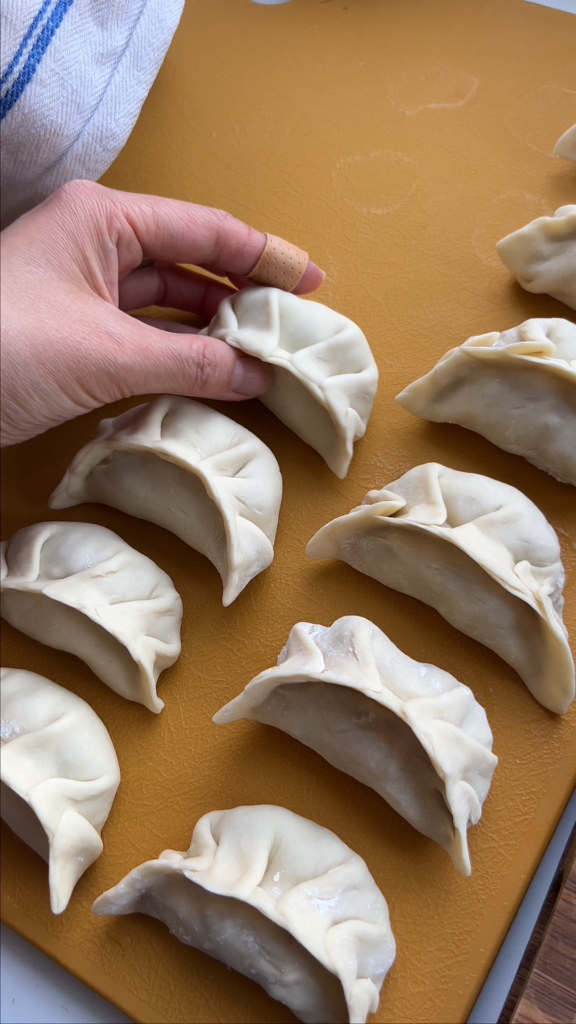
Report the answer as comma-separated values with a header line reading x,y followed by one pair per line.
x,y
240,237
78,191
228,228
87,219
205,367
224,219
77,205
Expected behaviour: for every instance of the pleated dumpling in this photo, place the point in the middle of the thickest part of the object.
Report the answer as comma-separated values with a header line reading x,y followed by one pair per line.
x,y
566,145
80,588
480,553
59,776
188,468
278,898
325,377
410,731
542,255
517,389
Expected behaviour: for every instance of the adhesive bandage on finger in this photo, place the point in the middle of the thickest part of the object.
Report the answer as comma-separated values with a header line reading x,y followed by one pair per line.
x,y
281,265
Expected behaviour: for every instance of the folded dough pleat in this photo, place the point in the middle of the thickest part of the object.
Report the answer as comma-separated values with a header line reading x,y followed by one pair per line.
x,y
542,255
409,731
324,374
60,774
517,389
278,898
80,588
188,468
480,553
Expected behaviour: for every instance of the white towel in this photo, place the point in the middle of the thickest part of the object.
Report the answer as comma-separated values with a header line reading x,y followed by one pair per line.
x,y
74,74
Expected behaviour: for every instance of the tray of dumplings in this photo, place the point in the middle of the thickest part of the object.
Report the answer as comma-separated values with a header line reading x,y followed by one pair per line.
x,y
288,717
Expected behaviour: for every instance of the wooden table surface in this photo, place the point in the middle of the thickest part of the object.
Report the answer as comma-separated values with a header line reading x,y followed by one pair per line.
x,y
544,989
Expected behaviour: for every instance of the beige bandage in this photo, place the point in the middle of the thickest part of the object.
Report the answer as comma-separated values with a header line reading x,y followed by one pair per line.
x,y
281,265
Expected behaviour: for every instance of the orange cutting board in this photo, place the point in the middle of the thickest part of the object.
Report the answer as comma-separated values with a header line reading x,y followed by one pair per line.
x,y
396,141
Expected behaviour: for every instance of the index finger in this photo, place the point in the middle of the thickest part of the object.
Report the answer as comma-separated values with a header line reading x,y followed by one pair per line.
x,y
179,232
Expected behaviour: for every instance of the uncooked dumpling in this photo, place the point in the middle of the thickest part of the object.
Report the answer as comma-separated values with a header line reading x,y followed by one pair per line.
x,y
518,389
410,731
325,377
80,588
476,550
59,776
542,255
190,469
278,898
566,145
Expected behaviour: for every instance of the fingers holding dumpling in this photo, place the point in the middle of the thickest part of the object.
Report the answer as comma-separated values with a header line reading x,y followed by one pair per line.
x,y
324,374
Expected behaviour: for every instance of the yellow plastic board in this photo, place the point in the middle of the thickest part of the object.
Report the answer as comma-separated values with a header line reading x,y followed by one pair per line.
x,y
396,141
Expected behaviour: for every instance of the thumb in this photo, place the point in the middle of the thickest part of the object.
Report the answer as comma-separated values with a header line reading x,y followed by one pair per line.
x,y
163,361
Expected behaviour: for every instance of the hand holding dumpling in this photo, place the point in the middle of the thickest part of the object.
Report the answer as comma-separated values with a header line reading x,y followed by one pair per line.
x,y
69,272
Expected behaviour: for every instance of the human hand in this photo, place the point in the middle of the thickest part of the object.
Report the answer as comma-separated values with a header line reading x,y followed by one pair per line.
x,y
69,273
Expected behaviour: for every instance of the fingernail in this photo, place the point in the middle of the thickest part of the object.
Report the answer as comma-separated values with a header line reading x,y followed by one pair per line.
x,y
312,279
250,377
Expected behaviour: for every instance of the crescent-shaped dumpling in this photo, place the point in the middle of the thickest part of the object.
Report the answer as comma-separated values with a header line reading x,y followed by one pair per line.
x,y
325,377
410,731
480,553
59,776
517,389
542,255
278,898
188,468
80,588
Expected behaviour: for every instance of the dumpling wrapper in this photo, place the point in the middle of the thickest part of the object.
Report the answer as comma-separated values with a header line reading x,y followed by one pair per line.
x,y
517,389
480,553
408,730
542,255
60,774
325,377
188,468
278,898
80,588
566,145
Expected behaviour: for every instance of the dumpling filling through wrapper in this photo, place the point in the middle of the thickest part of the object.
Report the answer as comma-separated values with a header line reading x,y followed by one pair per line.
x,y
80,588
190,469
517,389
278,898
325,377
60,774
480,553
409,731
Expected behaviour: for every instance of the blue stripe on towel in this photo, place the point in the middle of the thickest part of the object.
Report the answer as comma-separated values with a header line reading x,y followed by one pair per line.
x,y
37,51
25,40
